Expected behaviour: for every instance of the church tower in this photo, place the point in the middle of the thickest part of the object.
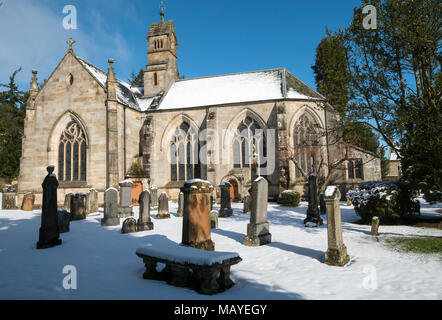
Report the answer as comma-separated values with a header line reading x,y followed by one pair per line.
x,y
162,67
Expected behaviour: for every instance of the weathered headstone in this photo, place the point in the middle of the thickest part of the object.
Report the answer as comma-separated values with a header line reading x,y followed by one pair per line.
x,y
163,207
375,226
110,217
48,234
180,205
322,206
226,207
67,201
258,229
92,201
129,225
313,216
9,201
78,206
144,221
125,207
28,202
154,198
247,203
336,254
196,218
64,219
214,219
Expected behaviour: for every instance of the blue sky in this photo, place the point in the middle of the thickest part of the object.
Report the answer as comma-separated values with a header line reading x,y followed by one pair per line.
x,y
215,37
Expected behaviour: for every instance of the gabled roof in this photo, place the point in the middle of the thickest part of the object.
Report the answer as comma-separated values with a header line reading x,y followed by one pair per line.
x,y
273,84
131,97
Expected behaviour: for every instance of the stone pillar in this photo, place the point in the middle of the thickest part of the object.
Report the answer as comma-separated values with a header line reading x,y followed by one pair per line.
x,y
226,208
154,198
180,205
336,254
112,128
375,226
147,139
144,221
110,217
196,219
163,207
49,235
125,207
28,202
322,206
258,229
313,215
213,156
92,201
78,206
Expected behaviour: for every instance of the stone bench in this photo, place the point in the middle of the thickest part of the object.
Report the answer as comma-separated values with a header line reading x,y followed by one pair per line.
x,y
207,272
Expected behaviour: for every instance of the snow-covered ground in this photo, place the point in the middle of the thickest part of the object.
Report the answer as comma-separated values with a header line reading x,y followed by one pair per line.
x,y
291,267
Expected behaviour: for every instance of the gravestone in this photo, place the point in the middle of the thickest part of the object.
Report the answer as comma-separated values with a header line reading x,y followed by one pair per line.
x,y
258,229
9,201
67,201
180,205
336,254
144,221
313,216
125,207
375,226
110,217
28,202
64,219
214,219
163,207
246,201
154,198
78,206
226,208
92,201
129,225
322,206
48,234
196,216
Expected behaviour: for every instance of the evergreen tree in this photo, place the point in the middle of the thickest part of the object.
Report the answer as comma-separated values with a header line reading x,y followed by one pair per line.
x,y
12,114
137,80
396,82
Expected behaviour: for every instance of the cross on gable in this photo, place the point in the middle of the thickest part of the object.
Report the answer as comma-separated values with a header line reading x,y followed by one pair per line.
x,y
70,42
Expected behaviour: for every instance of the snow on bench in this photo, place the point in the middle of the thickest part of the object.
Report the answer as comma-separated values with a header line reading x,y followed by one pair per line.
x,y
208,272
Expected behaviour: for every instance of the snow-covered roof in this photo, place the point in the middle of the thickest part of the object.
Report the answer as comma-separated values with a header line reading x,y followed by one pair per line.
x,y
393,155
131,97
263,85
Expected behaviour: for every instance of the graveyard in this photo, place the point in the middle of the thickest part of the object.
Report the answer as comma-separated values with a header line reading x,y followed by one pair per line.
x,y
291,266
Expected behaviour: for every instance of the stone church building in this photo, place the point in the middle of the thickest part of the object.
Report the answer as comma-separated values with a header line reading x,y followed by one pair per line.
x,y
98,130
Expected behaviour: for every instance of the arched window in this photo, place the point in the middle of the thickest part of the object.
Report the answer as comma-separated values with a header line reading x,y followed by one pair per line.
x,y
72,153
248,140
184,154
306,143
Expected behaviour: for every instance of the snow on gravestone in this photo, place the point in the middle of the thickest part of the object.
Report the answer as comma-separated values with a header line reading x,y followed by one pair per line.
x,y
110,208
336,254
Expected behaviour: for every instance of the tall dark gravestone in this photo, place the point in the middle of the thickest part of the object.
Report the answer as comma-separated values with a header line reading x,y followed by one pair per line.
x,y
49,234
313,215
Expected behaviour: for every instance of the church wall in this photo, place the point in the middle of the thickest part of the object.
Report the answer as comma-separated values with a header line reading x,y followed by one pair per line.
x,y
134,121
85,98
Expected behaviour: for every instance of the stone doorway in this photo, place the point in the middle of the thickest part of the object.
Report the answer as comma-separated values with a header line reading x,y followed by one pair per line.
x,y
234,191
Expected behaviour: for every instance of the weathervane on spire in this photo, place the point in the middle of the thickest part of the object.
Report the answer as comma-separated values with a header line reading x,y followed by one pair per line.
x,y
162,7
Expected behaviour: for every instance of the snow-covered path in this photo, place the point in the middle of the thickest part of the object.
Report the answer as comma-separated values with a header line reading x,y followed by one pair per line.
x,y
291,267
